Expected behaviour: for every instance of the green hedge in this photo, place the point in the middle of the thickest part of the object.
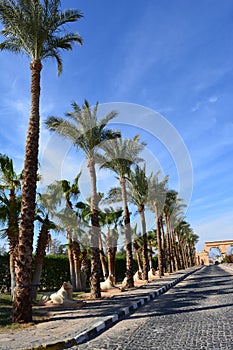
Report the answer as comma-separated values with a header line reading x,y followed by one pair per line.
x,y
56,270
5,280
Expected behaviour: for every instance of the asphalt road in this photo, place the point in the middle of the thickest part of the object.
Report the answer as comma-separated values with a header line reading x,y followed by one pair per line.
x,y
196,314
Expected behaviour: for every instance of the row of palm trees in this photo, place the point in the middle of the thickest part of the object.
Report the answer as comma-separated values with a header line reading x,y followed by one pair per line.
x,y
175,252
37,29
109,150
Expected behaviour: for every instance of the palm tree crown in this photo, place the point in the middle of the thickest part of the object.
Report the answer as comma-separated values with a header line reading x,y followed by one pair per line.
x,y
120,154
83,128
34,28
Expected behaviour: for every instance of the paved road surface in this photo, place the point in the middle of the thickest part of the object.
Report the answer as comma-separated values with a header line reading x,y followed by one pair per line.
x,y
194,315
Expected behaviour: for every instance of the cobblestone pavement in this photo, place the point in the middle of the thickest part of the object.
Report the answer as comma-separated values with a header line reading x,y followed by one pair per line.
x,y
195,314
62,327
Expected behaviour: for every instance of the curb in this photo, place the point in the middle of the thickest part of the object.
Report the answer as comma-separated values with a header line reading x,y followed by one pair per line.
x,y
110,320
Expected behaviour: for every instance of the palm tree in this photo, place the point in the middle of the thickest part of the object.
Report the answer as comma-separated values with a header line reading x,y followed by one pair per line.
x,y
157,195
137,193
137,245
137,188
192,241
173,215
87,133
46,204
36,29
187,240
10,203
71,191
111,217
42,243
68,221
119,155
152,243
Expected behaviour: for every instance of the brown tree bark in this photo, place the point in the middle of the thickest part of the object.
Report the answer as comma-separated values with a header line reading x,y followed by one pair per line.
x,y
95,228
22,308
128,238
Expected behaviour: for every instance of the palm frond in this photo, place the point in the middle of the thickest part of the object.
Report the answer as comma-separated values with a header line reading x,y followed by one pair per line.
x,y
37,28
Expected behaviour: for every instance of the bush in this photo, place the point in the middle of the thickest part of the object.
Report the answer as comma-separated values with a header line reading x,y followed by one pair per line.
x,y
5,279
229,258
55,271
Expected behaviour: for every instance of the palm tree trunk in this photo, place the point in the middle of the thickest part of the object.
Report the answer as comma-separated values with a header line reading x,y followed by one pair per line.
x,y
150,258
84,269
77,266
95,253
13,239
159,245
163,243
173,249
137,251
145,262
168,244
12,274
128,238
71,258
39,259
111,260
111,252
22,308
102,258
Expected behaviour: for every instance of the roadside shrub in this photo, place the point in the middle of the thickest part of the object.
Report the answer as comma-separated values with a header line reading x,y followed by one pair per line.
x,y
229,258
5,280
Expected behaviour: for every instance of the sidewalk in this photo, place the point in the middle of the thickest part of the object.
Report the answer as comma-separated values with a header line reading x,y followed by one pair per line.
x,y
60,328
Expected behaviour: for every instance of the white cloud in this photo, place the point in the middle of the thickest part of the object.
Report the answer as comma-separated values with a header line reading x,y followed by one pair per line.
x,y
204,103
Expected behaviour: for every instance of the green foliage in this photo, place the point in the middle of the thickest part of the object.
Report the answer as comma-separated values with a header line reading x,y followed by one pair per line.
x,y
42,31
5,280
121,263
229,258
55,271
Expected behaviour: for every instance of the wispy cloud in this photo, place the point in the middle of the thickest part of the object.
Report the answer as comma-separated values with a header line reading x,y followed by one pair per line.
x,y
204,103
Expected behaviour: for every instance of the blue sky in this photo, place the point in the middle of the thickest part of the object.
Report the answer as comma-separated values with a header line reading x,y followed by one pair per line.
x,y
174,57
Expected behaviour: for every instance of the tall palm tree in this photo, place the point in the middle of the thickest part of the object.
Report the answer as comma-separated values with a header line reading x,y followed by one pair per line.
x,y
10,203
87,133
187,240
173,215
156,200
36,29
137,245
119,155
112,219
138,195
71,192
